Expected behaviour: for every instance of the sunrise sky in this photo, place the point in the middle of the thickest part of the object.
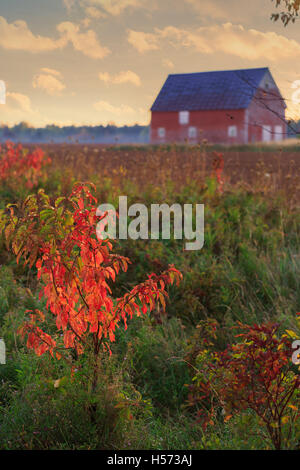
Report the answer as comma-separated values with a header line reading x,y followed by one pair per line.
x,y
99,61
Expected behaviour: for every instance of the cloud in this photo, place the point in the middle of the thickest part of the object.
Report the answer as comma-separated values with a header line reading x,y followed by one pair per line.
x,y
123,77
19,108
143,42
51,71
94,12
104,77
114,7
120,115
85,22
86,42
69,4
230,39
168,63
208,9
49,82
17,36
19,101
111,109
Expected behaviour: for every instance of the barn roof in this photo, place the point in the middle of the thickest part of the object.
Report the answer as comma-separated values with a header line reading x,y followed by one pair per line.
x,y
230,89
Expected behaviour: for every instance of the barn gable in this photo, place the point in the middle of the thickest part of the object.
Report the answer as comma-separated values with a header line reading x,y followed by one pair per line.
x,y
269,85
220,90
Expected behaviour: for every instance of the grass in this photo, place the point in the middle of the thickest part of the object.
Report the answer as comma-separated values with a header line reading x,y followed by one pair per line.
x,y
248,270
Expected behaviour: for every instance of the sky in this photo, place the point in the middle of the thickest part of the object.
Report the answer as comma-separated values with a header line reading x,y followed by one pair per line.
x,y
92,62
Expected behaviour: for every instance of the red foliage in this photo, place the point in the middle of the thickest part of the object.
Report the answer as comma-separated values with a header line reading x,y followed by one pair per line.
x,y
77,270
218,167
17,165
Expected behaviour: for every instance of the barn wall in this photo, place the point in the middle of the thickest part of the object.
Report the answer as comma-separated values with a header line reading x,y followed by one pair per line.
x,y
266,111
210,125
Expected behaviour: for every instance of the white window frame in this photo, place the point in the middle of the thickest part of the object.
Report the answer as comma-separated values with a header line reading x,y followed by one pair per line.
x,y
192,132
161,132
184,117
232,131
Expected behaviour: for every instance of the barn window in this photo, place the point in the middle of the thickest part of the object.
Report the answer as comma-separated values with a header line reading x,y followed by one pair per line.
x,y
161,132
192,132
232,131
184,117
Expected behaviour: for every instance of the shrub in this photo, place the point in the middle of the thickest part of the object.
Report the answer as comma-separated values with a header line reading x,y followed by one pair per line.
x,y
76,268
257,374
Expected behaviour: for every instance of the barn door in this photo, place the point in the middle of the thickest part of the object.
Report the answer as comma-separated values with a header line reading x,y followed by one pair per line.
x,y
266,134
278,133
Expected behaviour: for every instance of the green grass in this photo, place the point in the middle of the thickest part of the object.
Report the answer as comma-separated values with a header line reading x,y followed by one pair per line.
x,y
248,270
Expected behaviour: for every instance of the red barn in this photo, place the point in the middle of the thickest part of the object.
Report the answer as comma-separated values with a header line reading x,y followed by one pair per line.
x,y
228,107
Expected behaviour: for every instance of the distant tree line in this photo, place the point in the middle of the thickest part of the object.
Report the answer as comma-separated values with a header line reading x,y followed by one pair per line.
x,y
293,129
109,134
